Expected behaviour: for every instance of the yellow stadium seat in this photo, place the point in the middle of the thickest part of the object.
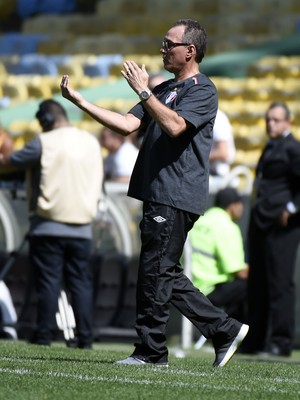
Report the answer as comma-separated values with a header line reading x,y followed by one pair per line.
x,y
91,126
57,44
249,137
23,131
38,88
19,142
46,23
231,89
153,63
72,69
288,67
3,72
133,7
258,89
247,157
100,44
263,68
296,115
15,90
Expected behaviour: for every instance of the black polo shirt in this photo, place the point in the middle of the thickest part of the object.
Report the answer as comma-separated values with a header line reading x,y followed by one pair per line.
x,y
175,171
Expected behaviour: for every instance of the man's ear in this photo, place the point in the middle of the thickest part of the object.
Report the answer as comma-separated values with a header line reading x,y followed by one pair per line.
x,y
191,51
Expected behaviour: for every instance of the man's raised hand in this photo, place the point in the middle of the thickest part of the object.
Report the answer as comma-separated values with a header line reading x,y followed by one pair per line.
x,y
69,93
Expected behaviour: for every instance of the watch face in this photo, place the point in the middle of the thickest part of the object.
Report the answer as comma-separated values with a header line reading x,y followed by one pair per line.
x,y
145,95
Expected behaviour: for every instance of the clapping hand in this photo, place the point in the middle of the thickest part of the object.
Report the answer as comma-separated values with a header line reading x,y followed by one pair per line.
x,y
69,93
136,77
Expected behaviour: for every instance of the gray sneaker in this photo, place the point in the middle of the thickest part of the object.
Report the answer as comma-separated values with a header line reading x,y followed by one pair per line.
x,y
227,350
134,360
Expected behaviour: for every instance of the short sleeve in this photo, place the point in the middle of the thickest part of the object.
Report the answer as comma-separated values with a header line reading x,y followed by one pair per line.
x,y
27,157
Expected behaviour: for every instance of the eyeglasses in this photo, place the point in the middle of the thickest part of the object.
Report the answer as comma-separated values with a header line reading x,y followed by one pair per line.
x,y
168,44
276,120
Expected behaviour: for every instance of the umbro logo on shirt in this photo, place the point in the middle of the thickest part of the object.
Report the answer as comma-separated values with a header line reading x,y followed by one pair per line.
x,y
159,219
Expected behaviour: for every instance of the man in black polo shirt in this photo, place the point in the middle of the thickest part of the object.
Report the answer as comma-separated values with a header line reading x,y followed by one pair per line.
x,y
171,178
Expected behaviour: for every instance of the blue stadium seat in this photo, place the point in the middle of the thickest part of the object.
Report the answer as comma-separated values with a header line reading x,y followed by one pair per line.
x,y
20,43
26,8
101,66
36,64
59,59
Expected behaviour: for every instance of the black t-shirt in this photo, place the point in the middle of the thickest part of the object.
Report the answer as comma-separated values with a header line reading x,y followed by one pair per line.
x,y
175,171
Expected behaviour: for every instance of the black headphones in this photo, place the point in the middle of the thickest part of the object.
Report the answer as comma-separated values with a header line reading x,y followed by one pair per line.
x,y
45,119
44,116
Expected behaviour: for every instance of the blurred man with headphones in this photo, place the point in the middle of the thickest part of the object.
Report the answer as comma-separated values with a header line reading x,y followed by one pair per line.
x,y
64,178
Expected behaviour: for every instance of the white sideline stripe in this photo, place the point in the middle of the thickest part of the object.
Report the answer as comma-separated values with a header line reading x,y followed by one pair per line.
x,y
199,374
21,371
168,371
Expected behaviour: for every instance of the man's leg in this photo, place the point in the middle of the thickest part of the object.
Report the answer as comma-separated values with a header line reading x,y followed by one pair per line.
x,y
46,256
257,291
282,247
231,296
211,321
159,237
78,281
226,332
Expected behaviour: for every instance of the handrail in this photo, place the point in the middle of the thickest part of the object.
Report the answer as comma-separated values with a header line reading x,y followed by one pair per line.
x,y
239,170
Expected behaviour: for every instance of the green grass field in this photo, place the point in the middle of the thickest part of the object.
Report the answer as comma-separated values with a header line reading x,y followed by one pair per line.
x,y
38,372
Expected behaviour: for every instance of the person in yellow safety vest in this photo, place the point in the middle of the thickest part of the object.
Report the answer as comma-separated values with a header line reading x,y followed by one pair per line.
x,y
218,257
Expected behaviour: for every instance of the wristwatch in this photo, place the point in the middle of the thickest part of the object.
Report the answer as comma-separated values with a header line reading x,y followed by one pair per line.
x,y
145,94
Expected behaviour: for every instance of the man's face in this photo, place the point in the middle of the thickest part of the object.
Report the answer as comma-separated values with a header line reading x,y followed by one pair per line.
x,y
174,50
109,140
276,122
237,210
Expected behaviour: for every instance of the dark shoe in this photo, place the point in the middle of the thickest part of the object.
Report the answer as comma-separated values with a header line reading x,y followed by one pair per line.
x,y
275,351
37,338
227,350
6,335
85,346
139,360
74,344
39,342
247,351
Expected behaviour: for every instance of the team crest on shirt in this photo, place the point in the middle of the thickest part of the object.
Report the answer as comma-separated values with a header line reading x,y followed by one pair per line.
x,y
171,96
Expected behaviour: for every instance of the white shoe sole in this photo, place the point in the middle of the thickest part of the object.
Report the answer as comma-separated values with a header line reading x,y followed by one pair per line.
x,y
234,345
131,361
138,362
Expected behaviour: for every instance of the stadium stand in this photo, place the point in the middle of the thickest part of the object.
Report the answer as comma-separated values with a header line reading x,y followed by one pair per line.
x,y
253,58
55,38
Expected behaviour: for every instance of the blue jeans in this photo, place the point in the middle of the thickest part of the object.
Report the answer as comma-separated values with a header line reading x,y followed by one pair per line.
x,y
55,259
